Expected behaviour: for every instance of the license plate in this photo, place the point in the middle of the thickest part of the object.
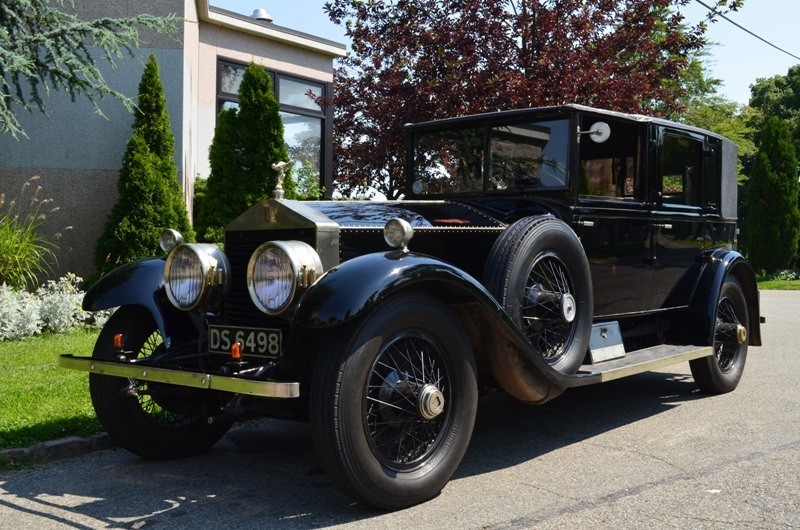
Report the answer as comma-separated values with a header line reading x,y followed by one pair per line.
x,y
254,341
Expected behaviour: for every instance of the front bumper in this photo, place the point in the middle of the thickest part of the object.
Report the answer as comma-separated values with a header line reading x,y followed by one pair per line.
x,y
222,383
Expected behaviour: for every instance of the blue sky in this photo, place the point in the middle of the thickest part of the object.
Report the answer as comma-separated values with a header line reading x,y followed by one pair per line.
x,y
738,59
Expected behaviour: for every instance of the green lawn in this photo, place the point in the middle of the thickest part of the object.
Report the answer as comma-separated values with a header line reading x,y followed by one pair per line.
x,y
779,285
38,400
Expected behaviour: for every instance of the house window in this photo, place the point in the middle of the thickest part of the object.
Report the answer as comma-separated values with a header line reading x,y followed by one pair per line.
x,y
305,123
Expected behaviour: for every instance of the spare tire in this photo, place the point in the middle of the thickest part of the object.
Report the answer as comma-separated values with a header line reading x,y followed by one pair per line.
x,y
537,270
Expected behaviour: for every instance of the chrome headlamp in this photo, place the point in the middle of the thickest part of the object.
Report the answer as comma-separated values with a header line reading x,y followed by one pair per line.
x,y
169,239
196,276
277,270
397,233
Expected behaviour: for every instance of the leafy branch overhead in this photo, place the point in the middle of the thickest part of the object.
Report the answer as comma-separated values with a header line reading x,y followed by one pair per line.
x,y
46,48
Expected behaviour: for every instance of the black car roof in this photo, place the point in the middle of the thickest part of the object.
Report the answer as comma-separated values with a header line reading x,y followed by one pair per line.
x,y
560,109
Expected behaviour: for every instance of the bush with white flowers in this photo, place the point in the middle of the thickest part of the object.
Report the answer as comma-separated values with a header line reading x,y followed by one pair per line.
x,y
55,307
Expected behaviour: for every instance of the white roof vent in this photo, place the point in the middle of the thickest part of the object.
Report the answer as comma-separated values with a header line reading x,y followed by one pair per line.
x,y
261,15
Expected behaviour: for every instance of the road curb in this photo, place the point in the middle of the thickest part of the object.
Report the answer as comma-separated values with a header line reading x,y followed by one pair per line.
x,y
56,449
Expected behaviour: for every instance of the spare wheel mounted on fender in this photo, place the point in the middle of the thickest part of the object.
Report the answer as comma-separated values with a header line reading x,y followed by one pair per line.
x,y
537,270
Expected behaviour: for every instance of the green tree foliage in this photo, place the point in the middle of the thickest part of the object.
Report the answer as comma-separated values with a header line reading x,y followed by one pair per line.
x,y
774,219
247,141
150,198
43,48
779,97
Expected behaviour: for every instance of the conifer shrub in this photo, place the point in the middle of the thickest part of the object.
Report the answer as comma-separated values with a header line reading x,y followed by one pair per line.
x,y
772,199
150,198
247,141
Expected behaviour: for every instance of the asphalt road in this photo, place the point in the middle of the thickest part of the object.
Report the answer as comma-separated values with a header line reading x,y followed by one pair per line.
x,y
644,452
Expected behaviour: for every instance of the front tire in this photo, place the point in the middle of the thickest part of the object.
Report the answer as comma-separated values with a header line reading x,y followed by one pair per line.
x,y
393,402
721,372
153,420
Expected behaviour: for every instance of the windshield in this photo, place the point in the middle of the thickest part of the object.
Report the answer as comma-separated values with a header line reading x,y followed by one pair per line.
x,y
513,157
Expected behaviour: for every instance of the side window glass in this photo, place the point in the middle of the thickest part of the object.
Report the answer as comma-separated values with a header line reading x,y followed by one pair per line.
x,y
528,155
449,161
611,169
680,171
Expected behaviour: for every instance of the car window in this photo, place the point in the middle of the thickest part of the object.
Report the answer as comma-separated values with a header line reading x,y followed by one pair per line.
x,y
528,155
522,156
449,161
611,169
680,170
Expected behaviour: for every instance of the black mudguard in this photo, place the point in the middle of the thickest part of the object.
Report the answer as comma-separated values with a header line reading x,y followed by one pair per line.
x,y
356,287
141,283
700,288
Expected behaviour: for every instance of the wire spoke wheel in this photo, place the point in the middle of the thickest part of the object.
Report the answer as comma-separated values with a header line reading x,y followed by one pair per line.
x,y
548,288
393,401
538,272
726,339
153,420
154,400
406,401
721,372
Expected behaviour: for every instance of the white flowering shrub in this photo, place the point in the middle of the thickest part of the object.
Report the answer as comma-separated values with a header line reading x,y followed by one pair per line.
x,y
54,307
19,314
61,304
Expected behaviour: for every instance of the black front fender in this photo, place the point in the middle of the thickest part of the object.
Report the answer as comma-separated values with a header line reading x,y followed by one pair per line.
x,y
356,286
140,283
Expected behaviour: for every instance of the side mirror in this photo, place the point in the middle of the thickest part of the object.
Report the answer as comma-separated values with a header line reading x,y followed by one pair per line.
x,y
599,132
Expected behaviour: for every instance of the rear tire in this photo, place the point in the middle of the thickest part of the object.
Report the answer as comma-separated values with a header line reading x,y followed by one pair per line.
x,y
153,420
393,402
721,372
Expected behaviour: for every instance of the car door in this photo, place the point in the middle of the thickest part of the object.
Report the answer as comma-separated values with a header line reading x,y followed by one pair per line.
x,y
612,217
679,231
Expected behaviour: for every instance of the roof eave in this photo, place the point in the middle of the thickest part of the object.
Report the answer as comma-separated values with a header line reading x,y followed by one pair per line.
x,y
229,19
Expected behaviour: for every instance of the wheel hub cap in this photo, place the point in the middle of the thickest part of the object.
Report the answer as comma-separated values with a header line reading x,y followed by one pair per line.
x,y
568,307
430,402
741,333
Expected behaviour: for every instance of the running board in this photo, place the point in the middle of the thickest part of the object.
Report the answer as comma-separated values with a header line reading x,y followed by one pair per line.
x,y
636,362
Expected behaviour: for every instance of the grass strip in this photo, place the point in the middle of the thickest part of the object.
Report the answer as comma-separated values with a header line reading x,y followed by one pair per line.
x,y
38,400
779,285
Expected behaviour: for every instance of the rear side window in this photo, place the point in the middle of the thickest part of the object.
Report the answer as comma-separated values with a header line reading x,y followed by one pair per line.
x,y
681,170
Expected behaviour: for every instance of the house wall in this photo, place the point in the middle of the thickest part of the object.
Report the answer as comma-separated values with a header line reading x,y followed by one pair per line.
x,y
76,152
191,84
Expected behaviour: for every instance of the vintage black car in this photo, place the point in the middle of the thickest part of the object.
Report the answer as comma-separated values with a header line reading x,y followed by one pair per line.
x,y
538,250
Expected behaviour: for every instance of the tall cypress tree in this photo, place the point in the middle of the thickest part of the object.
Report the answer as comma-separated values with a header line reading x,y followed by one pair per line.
x,y
772,198
247,141
150,198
